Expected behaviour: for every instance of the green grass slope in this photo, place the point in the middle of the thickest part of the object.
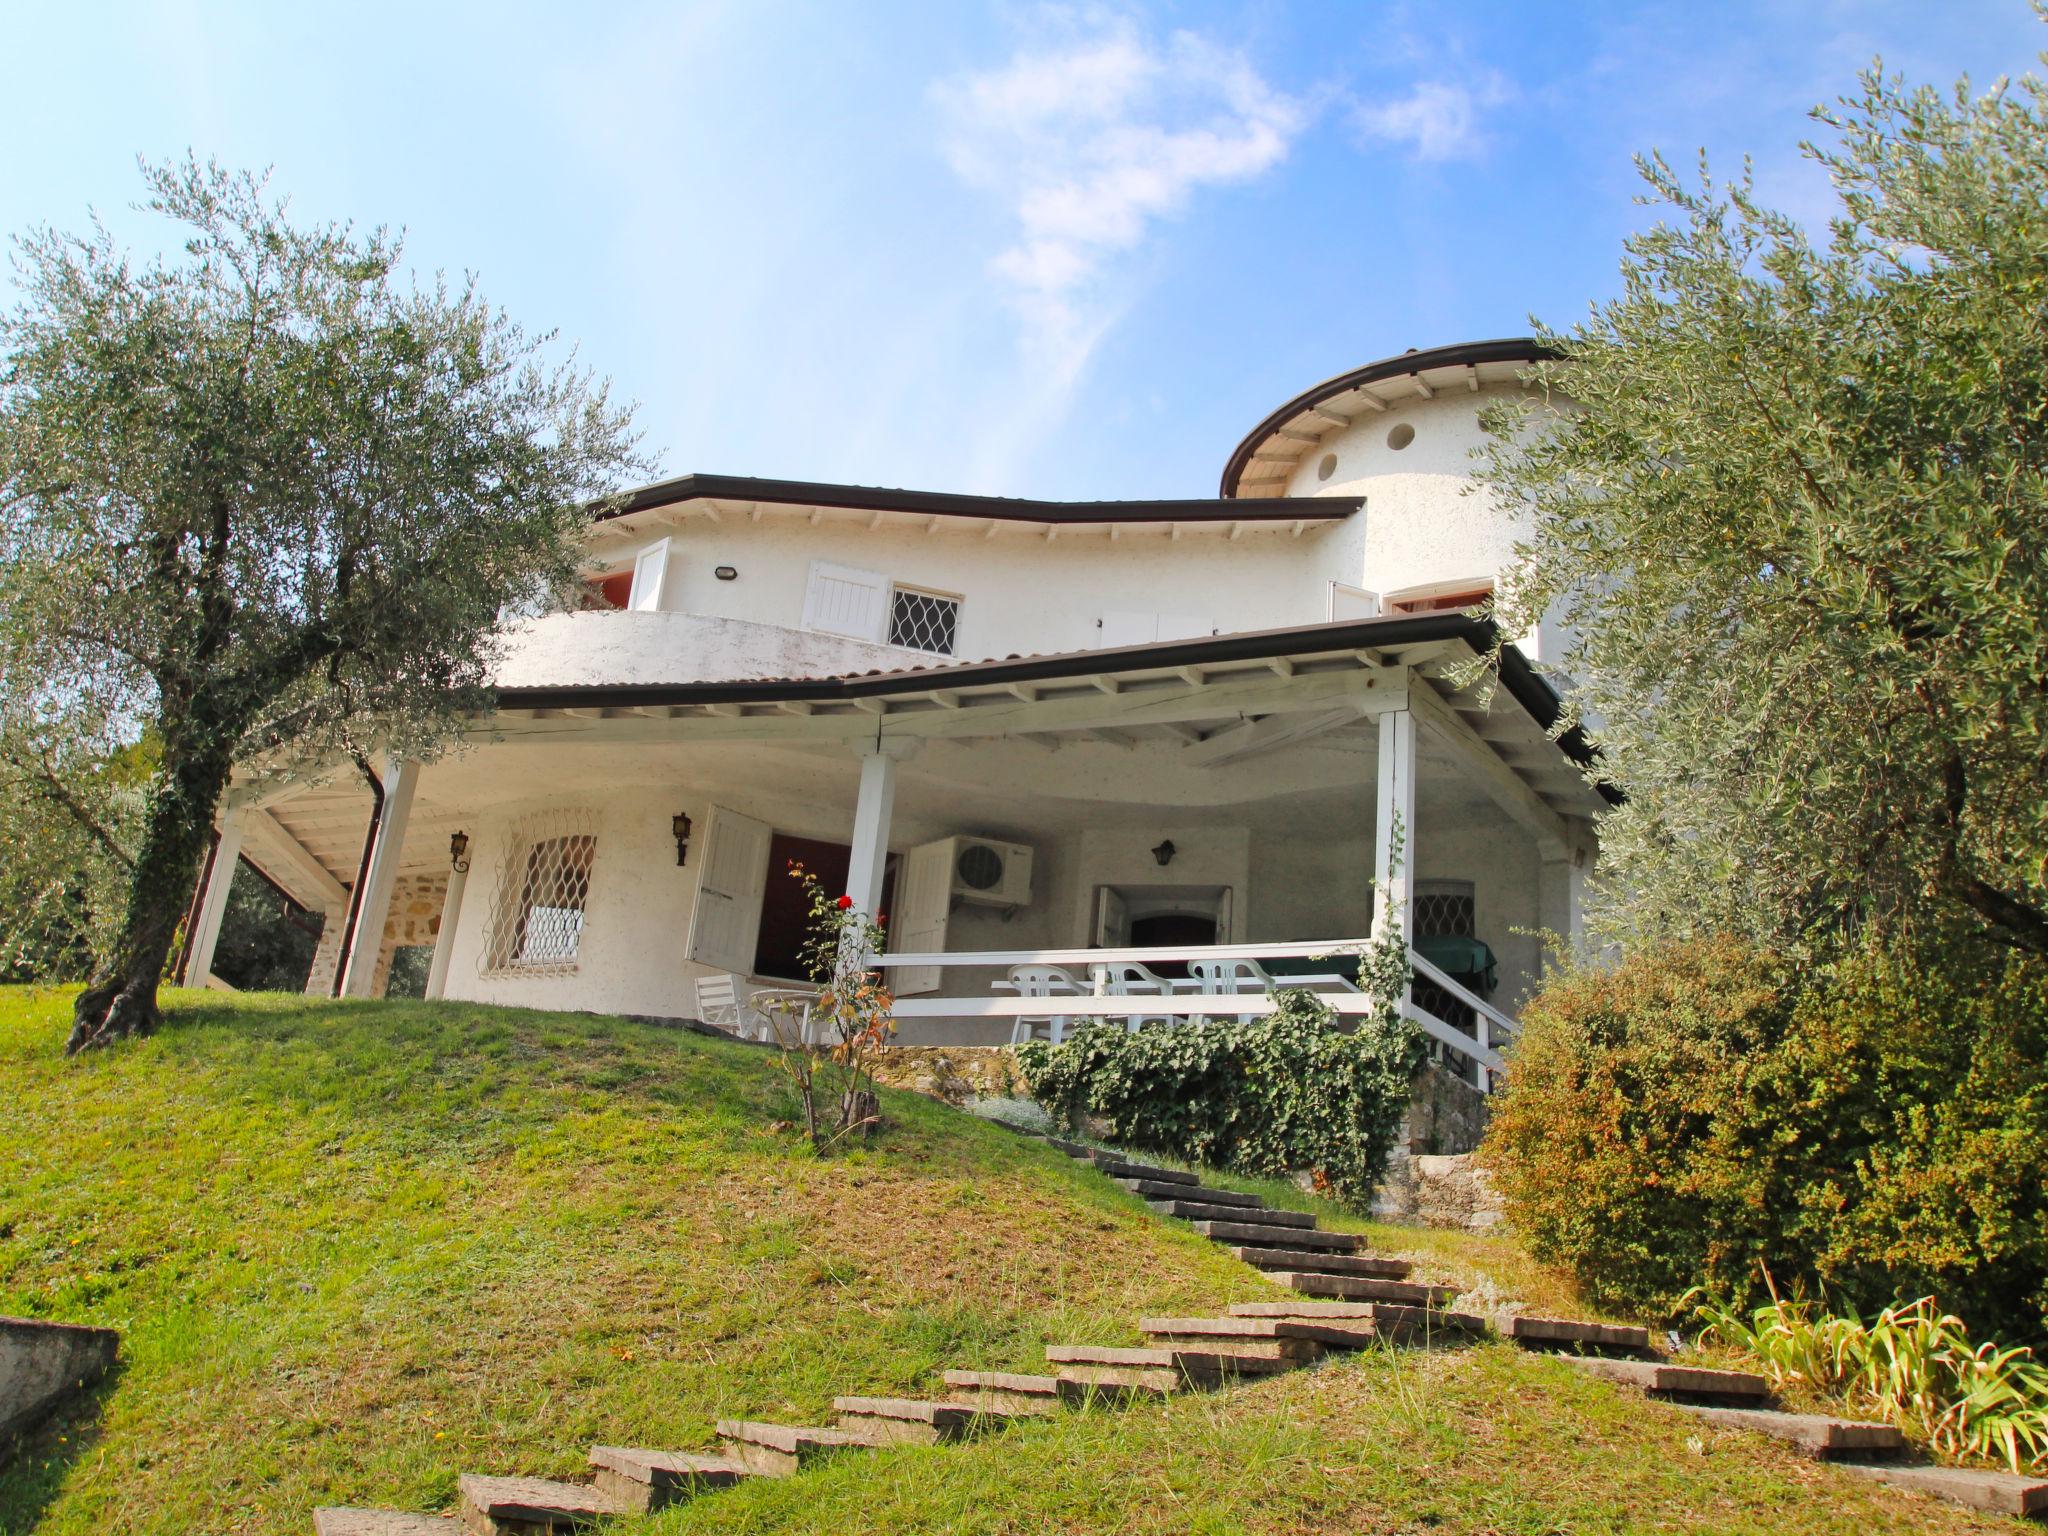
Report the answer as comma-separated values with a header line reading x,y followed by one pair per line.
x,y
356,1249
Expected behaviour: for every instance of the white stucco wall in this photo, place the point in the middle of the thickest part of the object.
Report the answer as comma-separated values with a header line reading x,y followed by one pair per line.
x,y
1422,524
1018,592
571,649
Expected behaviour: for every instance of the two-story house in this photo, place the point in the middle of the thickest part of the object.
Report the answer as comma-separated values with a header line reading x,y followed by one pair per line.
x,y
1088,757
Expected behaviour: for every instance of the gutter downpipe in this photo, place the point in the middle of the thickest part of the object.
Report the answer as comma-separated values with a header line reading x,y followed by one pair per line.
x,y
355,895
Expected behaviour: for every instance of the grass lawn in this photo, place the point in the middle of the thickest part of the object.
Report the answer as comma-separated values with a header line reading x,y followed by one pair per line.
x,y
357,1248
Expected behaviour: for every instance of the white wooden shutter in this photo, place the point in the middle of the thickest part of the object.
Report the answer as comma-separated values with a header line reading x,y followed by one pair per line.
x,y
650,571
1112,919
1127,629
924,903
1349,602
843,601
725,922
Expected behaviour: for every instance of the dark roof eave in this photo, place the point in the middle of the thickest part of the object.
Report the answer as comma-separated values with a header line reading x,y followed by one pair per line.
x,y
1521,679
1506,349
868,498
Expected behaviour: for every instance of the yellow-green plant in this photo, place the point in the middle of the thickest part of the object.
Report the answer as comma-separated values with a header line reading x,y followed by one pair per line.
x,y
1912,1364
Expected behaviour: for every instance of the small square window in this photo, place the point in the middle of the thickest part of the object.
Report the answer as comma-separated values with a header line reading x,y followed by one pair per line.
x,y
924,621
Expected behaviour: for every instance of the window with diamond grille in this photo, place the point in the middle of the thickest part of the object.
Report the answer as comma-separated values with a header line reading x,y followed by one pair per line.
x,y
1443,909
924,621
538,909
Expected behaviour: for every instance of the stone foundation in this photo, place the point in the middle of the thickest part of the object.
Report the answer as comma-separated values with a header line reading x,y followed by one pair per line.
x,y
952,1073
415,918
1438,1191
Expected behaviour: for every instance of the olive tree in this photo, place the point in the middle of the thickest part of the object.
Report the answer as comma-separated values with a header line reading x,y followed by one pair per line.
x,y
265,500
1795,509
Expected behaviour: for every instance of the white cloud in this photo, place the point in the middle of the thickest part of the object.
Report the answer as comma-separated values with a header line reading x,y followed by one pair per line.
x,y
1091,140
1439,119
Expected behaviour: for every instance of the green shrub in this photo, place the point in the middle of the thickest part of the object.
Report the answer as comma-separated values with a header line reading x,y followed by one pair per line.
x,y
1912,1365
1703,1115
1267,1097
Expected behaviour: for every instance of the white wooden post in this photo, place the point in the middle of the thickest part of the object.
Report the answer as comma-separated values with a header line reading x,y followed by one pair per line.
x,y
871,817
1392,873
359,965
1561,889
444,939
213,902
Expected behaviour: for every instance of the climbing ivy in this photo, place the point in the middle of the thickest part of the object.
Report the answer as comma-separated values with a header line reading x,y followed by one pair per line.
x,y
1267,1096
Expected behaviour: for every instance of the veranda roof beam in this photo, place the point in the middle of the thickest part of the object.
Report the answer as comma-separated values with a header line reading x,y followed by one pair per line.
x,y
1505,787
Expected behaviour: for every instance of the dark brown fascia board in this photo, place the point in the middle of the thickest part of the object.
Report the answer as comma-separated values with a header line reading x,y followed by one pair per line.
x,y
1522,681
1506,349
868,498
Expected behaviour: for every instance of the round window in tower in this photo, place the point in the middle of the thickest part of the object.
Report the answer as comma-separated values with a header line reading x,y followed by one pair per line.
x,y
1400,437
1328,467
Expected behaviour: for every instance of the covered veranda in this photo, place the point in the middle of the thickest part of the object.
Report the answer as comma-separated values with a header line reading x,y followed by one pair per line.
x,y
1203,819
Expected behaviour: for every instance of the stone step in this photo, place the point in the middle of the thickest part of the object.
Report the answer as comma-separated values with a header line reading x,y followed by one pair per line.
x,y
1539,1332
911,1420
1407,1293
1073,1148
1204,1366
1277,1338
777,1450
1200,1210
1303,1262
2003,1493
1262,1234
1008,1392
1154,1189
1120,1170
651,1480
345,1520
532,1506
1812,1434
1120,1383
1387,1320
1671,1380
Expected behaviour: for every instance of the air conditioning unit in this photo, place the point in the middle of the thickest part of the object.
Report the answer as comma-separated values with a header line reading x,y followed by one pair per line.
x,y
995,874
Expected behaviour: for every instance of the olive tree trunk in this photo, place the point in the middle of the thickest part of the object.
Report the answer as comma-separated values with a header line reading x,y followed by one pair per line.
x,y
121,1000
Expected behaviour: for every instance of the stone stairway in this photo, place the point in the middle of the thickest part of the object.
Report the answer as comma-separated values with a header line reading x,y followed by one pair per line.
x,y
1331,1298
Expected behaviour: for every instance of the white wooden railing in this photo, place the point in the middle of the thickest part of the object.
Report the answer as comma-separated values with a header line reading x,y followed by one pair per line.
x,y
1190,1001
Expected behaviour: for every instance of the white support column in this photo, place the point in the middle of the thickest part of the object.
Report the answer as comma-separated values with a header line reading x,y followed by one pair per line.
x,y
359,965
1394,876
444,938
213,903
872,814
1561,889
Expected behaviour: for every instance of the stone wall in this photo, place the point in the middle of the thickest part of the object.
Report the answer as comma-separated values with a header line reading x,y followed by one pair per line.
x,y
415,918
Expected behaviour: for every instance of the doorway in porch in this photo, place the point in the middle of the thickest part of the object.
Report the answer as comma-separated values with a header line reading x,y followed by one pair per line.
x,y
1162,917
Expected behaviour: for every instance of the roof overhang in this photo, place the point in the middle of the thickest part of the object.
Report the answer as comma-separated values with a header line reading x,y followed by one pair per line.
x,y
950,696
1266,458
718,496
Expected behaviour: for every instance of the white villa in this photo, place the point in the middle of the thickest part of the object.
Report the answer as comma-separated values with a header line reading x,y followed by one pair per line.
x,y
1089,758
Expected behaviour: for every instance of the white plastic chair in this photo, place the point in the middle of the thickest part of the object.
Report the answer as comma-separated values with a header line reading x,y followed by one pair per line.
x,y
1127,978
721,1005
1227,978
1039,981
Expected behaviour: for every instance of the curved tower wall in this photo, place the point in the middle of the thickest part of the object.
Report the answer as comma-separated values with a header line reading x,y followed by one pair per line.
x,y
1425,522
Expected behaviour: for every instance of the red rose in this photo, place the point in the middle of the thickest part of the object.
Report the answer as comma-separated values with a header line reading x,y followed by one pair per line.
x,y
845,903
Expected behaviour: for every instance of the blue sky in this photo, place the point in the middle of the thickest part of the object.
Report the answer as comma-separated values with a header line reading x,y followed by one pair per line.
x,y
1052,250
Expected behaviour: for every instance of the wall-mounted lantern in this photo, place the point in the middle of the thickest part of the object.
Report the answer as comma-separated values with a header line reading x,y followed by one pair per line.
x,y
679,824
726,573
458,852
1164,853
